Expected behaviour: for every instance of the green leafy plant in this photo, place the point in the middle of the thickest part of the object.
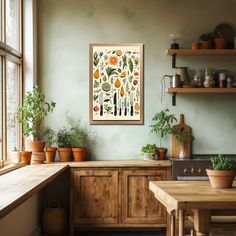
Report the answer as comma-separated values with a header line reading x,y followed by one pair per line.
x,y
221,162
181,135
149,149
49,135
163,124
33,111
63,139
206,37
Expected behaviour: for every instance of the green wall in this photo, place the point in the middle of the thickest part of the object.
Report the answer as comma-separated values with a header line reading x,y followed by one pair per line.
x,y
65,29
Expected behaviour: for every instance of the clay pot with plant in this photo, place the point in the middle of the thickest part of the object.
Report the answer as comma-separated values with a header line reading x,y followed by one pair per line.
x,y
206,41
149,152
79,139
220,43
31,115
64,145
222,173
162,127
26,157
195,46
49,135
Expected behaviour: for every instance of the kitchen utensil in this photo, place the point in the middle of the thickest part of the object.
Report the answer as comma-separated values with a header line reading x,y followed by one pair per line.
x,y
120,107
101,103
115,104
225,31
131,105
174,80
183,72
178,147
125,106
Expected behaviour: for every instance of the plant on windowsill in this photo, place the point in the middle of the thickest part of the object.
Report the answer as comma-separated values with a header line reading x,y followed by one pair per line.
x,y
162,127
31,115
49,135
149,152
64,145
222,173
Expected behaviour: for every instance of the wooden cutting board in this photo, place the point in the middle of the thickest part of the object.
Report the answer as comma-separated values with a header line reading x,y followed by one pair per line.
x,y
176,146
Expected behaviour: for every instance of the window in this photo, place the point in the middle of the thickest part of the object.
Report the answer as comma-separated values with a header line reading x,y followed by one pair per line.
x,y
10,75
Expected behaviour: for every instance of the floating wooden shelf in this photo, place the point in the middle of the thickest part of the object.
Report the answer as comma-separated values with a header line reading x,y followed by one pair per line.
x,y
201,52
201,90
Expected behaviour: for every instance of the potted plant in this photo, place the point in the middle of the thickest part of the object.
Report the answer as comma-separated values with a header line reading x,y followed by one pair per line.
x,y
31,115
49,135
64,146
222,173
195,46
79,138
206,41
220,43
149,151
26,157
162,127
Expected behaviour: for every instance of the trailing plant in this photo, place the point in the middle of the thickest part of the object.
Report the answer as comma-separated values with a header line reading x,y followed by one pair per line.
x,y
49,135
149,149
163,124
63,138
221,162
181,135
33,111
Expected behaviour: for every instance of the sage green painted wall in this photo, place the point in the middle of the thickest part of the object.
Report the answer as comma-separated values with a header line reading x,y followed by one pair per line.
x,y
65,29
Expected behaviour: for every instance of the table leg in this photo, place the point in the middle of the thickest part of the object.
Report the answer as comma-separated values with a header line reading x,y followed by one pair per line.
x,y
172,225
202,222
181,222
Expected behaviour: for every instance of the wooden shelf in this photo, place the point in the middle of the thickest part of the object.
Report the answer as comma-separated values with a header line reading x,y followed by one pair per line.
x,y
201,52
201,90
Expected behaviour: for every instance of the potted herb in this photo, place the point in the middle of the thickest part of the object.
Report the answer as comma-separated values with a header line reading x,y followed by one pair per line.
x,y
149,151
206,41
79,138
162,127
31,115
222,173
64,145
49,135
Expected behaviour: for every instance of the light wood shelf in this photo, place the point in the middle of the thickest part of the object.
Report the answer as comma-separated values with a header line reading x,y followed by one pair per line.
x,y
201,52
201,90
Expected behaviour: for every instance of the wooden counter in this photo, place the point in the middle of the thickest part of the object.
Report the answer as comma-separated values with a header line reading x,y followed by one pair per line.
x,y
19,185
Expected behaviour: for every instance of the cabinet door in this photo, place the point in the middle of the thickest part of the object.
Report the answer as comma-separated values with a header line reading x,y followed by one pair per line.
x,y
95,194
139,206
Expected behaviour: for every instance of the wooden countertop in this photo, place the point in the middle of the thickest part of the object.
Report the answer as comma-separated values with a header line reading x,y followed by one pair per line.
x,y
19,185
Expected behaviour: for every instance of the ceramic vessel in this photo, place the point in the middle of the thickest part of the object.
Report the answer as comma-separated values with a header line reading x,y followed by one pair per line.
x,y
79,154
35,146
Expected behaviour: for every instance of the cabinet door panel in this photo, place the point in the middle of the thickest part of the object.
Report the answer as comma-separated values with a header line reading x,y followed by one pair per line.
x,y
139,206
96,196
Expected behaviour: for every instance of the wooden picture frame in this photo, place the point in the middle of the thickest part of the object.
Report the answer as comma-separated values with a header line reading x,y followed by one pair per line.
x,y
116,84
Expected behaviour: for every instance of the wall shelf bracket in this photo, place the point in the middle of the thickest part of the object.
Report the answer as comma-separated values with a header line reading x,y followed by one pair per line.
x,y
173,99
174,60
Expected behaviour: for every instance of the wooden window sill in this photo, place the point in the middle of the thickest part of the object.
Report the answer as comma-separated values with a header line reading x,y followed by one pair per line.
x,y
10,167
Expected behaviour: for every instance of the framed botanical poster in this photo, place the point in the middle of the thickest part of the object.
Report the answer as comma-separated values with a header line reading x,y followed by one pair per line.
x,y
116,83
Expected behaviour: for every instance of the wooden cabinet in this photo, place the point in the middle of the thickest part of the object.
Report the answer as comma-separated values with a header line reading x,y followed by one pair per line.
x,y
138,205
95,194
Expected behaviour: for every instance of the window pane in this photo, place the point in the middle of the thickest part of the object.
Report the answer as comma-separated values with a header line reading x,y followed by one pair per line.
x,y
1,134
12,101
13,23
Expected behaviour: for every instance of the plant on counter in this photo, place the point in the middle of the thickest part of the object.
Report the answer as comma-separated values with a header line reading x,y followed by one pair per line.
x,y
31,115
149,151
162,127
222,173
64,146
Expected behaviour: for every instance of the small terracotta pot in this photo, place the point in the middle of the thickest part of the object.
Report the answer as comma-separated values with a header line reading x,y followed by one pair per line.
x,y
206,44
161,153
35,146
64,154
221,178
79,153
26,157
50,153
195,46
220,43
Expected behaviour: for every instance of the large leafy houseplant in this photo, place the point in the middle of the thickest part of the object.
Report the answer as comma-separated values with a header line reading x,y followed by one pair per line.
x,y
222,173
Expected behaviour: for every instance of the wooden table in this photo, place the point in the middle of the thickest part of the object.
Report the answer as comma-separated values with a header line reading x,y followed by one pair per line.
x,y
198,196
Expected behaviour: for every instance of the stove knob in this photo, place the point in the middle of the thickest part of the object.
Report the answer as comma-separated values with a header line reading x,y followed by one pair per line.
x,y
185,171
192,170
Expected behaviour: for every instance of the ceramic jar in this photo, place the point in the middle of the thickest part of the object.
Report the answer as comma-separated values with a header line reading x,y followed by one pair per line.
x,y
209,81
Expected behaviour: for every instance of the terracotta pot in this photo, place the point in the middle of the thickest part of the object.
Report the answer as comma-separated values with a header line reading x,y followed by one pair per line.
x,y
79,153
64,154
35,146
26,157
50,153
206,44
38,157
221,178
161,153
195,46
220,43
